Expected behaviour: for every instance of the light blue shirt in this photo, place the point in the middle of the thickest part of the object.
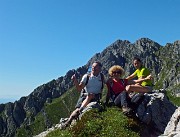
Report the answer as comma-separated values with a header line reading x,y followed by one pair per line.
x,y
94,84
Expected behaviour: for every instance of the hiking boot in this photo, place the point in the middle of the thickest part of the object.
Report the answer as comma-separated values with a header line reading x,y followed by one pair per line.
x,y
126,110
64,125
80,110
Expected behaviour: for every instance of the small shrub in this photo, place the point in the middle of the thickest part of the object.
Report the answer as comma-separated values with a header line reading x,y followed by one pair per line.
x,y
59,133
173,99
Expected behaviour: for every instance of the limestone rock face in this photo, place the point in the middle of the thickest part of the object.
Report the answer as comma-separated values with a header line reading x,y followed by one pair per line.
x,y
163,61
155,111
173,127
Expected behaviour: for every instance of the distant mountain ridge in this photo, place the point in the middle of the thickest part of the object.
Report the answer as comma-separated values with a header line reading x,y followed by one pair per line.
x,y
163,61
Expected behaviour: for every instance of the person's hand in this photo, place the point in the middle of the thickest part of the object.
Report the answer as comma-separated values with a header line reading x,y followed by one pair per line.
x,y
149,77
73,77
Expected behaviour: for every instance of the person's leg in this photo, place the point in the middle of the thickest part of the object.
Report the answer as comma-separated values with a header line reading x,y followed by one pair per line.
x,y
117,100
87,101
150,88
121,99
124,102
73,115
137,88
80,100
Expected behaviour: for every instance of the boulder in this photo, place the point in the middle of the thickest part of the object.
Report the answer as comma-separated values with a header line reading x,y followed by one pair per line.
x,y
155,111
173,127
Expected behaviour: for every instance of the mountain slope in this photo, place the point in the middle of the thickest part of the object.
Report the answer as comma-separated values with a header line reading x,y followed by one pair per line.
x,y
163,61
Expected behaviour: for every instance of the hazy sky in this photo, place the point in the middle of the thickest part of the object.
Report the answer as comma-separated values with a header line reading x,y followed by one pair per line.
x,y
41,40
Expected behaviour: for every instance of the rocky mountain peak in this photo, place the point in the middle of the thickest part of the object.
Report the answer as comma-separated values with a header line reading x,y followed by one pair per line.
x,y
163,61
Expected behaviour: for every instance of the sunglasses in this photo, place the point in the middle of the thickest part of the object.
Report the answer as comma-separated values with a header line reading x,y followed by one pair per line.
x,y
116,72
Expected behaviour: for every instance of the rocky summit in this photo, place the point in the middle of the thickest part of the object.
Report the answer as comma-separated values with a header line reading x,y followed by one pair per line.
x,y
163,61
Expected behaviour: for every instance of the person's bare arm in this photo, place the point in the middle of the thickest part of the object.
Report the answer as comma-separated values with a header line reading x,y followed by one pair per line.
x,y
131,76
79,86
149,77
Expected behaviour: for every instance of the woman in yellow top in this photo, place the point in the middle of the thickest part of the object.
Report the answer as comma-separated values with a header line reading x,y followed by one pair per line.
x,y
141,72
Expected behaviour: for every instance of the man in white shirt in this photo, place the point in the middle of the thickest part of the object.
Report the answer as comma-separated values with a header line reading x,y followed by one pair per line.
x,y
93,89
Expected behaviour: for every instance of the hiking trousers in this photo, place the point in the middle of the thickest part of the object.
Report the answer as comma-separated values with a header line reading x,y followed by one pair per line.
x,y
121,99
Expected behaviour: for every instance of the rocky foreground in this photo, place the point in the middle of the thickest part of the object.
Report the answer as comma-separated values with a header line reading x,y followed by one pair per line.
x,y
157,112
173,127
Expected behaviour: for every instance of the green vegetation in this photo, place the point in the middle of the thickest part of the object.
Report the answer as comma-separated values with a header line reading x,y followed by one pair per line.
x,y
36,127
174,100
159,84
59,108
62,107
97,124
23,132
93,123
60,133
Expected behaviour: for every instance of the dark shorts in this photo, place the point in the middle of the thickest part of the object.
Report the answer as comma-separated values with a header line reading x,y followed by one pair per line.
x,y
83,97
150,88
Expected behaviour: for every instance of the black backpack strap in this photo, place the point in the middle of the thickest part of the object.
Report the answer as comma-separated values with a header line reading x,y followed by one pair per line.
x,y
112,94
102,79
87,79
83,90
123,82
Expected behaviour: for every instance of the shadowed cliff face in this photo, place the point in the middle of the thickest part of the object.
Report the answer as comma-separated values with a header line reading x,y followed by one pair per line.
x,y
163,61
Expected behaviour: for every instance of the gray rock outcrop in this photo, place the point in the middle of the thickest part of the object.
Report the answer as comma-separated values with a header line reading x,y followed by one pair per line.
x,y
173,127
155,111
163,61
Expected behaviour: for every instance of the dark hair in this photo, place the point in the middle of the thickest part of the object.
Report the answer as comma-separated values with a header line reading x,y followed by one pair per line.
x,y
137,58
99,64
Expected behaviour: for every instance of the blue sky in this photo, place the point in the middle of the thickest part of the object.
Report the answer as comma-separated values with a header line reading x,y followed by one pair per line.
x,y
41,40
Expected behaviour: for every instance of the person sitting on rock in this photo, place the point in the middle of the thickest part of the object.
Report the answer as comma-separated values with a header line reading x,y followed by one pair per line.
x,y
93,90
117,87
141,72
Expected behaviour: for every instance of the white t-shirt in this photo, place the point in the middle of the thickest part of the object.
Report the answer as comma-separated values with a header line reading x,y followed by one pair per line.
x,y
94,84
